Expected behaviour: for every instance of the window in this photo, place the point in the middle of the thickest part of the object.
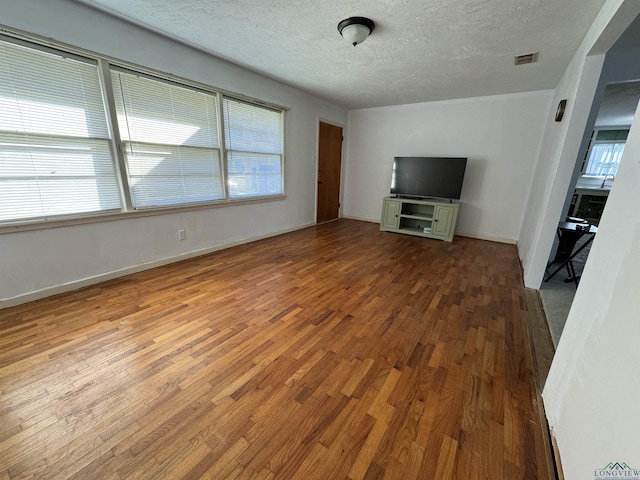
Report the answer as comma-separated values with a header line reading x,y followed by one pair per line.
x,y
253,137
170,141
82,135
55,156
606,153
604,159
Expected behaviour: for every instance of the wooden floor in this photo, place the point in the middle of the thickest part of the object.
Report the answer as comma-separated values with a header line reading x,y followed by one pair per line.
x,y
334,352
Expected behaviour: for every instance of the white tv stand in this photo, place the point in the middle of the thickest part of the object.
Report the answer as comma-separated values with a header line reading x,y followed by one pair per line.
x,y
424,218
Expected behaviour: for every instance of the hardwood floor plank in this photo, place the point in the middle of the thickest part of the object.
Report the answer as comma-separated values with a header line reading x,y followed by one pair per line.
x,y
447,458
333,352
365,456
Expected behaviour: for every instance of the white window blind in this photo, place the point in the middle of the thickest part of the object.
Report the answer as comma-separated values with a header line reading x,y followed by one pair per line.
x,y
604,159
170,139
253,137
55,157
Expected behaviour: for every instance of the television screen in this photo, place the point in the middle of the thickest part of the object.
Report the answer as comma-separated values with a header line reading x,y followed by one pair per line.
x,y
438,177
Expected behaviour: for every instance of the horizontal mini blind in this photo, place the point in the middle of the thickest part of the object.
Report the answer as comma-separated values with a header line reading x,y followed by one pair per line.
x,y
604,159
55,157
170,141
253,137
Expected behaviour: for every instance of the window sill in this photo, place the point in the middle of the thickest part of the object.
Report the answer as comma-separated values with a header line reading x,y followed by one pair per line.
x,y
70,220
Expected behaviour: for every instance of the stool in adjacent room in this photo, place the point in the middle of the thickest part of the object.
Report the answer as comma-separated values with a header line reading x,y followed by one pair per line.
x,y
568,235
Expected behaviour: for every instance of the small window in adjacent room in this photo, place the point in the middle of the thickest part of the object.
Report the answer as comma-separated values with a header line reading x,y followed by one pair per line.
x,y
170,137
253,138
55,155
606,152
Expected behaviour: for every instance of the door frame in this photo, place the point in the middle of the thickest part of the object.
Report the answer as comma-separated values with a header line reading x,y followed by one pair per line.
x,y
316,162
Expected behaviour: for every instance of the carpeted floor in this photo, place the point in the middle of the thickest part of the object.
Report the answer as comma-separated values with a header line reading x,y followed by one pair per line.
x,y
557,295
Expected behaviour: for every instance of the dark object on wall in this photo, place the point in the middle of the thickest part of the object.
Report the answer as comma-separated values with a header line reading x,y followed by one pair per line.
x,y
560,110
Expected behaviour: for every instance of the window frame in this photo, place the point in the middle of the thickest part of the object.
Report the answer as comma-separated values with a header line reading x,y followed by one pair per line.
x,y
595,142
227,151
124,144
591,151
127,210
69,70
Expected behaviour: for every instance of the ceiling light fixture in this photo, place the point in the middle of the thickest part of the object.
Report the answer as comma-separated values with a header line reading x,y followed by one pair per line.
x,y
356,29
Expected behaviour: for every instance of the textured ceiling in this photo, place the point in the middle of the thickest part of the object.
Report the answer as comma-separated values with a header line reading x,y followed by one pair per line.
x,y
421,50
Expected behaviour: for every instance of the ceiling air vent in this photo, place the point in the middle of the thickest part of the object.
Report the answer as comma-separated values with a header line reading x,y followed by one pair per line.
x,y
527,58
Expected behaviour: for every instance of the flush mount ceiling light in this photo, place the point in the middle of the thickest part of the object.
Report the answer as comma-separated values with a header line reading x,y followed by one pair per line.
x,y
356,29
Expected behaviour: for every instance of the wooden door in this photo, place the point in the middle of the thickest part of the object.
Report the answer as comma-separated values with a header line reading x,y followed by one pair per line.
x,y
329,165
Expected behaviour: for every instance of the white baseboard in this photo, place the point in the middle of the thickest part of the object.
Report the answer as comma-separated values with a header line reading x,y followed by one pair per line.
x,y
85,282
480,236
362,219
477,236
103,277
556,455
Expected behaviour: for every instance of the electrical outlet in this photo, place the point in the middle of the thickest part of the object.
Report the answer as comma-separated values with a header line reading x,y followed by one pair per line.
x,y
182,234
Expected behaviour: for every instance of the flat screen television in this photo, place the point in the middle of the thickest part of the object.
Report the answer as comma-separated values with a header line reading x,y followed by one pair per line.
x,y
428,177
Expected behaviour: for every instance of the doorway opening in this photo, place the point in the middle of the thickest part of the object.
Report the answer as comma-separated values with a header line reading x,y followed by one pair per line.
x,y
596,169
330,139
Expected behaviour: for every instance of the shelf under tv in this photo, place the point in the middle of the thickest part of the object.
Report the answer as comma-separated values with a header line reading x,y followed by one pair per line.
x,y
424,218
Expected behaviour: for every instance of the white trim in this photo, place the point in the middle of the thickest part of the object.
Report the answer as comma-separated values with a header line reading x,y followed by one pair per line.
x,y
103,277
362,219
79,219
490,238
477,236
483,98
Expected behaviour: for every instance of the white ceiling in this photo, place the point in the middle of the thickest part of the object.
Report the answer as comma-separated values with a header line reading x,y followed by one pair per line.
x,y
619,104
421,50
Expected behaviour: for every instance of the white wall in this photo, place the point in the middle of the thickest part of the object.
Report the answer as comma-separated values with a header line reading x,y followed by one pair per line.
x,y
591,396
553,174
500,135
37,263
592,393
